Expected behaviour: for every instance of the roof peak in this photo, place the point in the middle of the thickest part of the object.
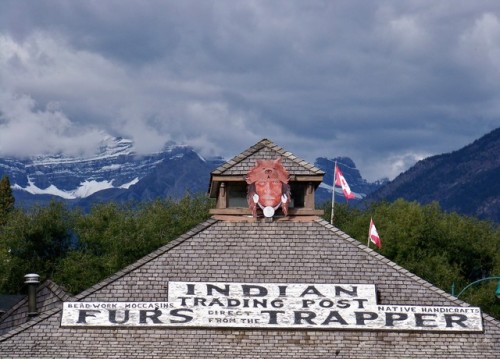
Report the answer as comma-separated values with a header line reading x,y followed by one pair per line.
x,y
266,143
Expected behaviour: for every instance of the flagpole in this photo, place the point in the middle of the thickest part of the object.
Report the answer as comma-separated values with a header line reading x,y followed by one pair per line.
x,y
369,229
333,190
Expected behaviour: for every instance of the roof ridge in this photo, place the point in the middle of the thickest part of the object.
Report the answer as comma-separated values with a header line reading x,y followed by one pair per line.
x,y
58,290
242,155
13,308
271,145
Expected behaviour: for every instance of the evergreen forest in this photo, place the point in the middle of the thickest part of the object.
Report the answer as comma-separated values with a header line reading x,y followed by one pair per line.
x,y
76,249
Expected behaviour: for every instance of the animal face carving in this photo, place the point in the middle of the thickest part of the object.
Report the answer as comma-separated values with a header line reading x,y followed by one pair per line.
x,y
268,187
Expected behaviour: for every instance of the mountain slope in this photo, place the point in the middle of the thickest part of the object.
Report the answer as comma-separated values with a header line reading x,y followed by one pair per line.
x,y
466,181
172,177
115,173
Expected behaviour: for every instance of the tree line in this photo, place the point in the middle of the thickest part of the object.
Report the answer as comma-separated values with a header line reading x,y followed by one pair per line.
x,y
446,249
77,249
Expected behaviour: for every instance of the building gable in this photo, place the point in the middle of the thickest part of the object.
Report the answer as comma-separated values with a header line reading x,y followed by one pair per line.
x,y
258,252
266,149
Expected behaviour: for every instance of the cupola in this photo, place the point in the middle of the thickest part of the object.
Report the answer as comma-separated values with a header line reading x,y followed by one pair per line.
x,y
232,185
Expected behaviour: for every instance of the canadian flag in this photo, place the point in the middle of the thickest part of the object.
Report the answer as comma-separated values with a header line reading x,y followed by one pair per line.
x,y
340,181
373,235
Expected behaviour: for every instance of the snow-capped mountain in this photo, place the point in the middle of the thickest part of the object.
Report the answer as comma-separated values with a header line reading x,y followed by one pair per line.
x,y
113,170
79,177
117,173
465,181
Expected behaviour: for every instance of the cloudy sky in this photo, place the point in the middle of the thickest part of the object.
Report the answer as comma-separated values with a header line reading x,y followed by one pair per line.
x,y
384,82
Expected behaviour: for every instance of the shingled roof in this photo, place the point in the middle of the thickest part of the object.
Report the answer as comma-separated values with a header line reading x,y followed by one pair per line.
x,y
265,149
48,295
265,252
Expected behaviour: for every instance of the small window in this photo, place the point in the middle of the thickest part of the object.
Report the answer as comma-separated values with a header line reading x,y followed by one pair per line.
x,y
237,194
298,194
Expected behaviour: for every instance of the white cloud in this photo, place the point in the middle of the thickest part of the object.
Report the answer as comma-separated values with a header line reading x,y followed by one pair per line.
x,y
399,163
26,130
479,48
150,105
408,35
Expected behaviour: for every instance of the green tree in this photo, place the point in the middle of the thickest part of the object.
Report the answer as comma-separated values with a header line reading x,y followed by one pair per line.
x,y
113,236
7,199
6,264
36,241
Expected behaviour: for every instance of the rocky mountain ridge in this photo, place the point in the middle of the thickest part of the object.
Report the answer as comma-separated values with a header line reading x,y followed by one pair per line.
x,y
466,181
116,172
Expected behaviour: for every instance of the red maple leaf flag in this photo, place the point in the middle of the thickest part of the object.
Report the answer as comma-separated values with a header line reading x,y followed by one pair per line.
x,y
340,181
373,235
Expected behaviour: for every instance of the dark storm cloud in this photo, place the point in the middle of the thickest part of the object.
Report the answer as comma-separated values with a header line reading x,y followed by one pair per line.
x,y
386,82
